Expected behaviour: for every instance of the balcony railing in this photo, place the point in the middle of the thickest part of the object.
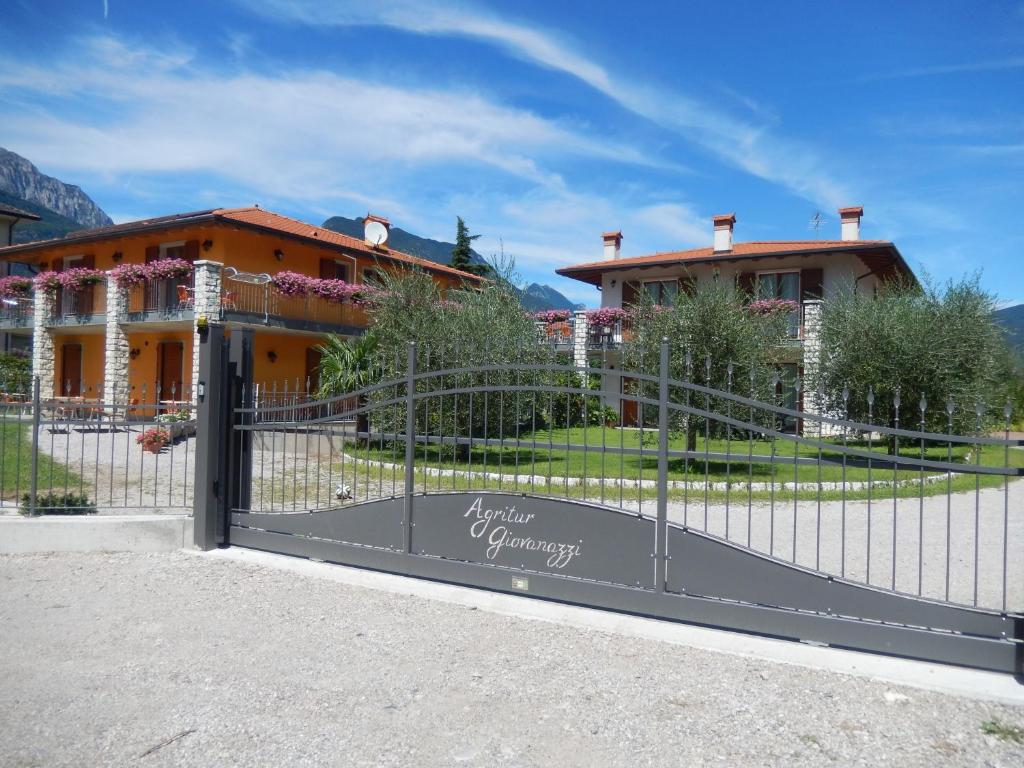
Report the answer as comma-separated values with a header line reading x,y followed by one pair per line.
x,y
609,336
16,312
161,300
559,335
262,303
82,307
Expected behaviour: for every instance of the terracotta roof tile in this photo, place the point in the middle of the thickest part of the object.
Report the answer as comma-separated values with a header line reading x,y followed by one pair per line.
x,y
275,221
590,271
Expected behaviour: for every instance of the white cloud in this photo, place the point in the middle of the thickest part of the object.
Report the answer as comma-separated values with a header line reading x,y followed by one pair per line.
x,y
992,65
300,134
749,147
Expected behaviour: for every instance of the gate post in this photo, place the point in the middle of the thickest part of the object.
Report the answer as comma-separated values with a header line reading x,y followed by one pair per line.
x,y
410,446
661,537
239,469
207,510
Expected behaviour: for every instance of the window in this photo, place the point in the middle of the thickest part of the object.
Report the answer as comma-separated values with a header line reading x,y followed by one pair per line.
x,y
172,250
784,286
371,276
779,285
662,292
340,271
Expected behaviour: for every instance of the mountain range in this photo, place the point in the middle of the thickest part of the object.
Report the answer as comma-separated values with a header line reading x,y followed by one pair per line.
x,y
1012,319
534,297
19,178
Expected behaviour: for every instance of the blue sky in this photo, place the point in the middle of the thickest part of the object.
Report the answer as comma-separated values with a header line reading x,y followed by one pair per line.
x,y
541,123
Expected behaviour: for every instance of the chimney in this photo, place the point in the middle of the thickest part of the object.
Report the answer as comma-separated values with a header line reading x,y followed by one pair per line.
x,y
850,222
723,231
612,244
376,229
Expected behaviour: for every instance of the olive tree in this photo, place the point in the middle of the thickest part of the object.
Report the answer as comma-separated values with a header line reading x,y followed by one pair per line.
x,y
711,330
912,345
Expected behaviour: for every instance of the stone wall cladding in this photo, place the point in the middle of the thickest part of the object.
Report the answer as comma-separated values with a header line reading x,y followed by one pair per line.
x,y
43,361
208,277
116,347
579,340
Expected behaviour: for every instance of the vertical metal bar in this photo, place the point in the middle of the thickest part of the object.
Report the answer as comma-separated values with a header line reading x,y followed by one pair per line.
x,y
949,488
871,447
923,407
410,446
661,536
979,411
34,461
895,483
1007,413
209,437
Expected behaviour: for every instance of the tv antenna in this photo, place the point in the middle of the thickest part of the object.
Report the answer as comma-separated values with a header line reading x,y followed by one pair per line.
x,y
817,220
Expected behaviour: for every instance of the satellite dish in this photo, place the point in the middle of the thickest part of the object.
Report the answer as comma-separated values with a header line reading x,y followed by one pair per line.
x,y
375,233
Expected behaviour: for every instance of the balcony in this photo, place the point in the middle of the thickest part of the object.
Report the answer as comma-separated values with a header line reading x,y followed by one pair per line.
x,y
16,312
609,336
161,300
86,306
247,300
558,335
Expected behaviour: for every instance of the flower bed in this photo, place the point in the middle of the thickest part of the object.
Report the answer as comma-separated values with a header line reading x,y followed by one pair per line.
x,y
553,316
772,307
606,316
15,287
297,285
131,275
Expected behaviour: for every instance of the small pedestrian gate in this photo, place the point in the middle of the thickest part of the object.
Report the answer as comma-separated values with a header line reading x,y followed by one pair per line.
x,y
461,473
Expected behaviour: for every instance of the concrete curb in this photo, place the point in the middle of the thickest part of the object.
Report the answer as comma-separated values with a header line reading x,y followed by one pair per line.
x,y
94,533
985,686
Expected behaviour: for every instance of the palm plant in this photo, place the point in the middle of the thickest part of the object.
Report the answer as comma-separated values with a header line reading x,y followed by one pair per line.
x,y
347,365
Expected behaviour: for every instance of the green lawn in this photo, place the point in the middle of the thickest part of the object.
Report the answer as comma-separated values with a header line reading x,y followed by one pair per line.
x,y
551,458
16,465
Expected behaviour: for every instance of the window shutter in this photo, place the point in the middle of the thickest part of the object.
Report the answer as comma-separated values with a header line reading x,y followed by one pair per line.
x,y
687,286
58,264
812,284
745,284
328,269
191,250
152,253
89,261
630,290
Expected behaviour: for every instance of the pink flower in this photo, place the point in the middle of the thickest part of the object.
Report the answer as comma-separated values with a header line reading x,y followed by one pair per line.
x,y
606,316
13,287
553,315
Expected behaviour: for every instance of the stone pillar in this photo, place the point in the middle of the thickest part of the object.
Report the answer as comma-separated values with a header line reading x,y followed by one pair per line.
x,y
206,293
43,362
579,339
116,347
812,363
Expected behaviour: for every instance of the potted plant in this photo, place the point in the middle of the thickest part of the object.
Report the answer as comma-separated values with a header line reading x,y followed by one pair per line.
x,y
178,423
170,269
154,439
79,278
15,287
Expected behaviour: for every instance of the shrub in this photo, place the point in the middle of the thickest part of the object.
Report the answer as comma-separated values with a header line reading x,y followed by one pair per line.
x,y
58,504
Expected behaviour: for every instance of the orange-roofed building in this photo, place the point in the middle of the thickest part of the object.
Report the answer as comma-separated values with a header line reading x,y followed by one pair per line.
x,y
805,272
137,342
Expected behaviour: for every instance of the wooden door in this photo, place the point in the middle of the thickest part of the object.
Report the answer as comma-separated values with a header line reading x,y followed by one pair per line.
x,y
71,370
312,370
171,359
629,408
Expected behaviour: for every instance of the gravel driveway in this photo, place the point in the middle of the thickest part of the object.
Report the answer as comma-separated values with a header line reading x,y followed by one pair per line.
x,y
108,656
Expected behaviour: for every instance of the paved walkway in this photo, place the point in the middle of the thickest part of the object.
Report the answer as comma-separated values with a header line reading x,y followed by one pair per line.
x,y
202,661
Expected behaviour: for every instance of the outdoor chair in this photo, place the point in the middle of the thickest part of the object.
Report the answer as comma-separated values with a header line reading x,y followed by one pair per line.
x,y
185,299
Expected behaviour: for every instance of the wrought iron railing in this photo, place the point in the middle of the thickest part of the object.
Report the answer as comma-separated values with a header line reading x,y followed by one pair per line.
x,y
16,312
79,306
263,303
161,299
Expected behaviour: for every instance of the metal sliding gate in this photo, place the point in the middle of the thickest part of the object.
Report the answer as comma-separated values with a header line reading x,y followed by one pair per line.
x,y
507,476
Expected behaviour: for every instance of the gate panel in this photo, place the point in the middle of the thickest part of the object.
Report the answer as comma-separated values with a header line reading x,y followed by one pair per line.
x,y
536,534
704,566
372,524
